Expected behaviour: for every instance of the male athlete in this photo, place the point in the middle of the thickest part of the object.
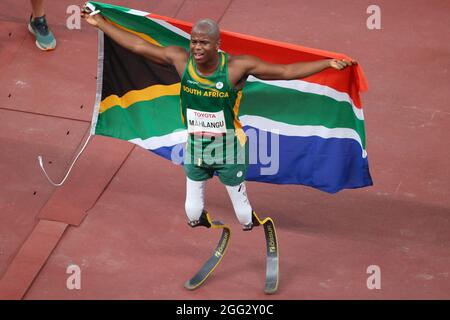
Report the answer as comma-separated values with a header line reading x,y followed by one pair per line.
x,y
212,120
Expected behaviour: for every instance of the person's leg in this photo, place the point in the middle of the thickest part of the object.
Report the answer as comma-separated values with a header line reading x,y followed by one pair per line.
x,y
196,177
233,177
37,7
241,204
39,28
198,217
195,201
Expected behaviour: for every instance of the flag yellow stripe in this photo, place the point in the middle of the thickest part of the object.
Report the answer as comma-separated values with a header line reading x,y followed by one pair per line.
x,y
133,96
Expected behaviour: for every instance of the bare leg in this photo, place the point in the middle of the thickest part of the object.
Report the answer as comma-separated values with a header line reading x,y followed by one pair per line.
x,y
37,8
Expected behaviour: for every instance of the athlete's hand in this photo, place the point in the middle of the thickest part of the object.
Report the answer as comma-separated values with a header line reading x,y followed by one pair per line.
x,y
93,20
340,64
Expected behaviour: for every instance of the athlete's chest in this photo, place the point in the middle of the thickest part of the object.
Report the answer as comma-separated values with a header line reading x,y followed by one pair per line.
x,y
216,86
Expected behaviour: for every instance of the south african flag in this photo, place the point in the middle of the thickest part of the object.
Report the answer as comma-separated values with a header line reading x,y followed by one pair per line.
x,y
313,127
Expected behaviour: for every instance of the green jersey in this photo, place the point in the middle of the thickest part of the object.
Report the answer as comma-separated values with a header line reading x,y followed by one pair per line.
x,y
209,108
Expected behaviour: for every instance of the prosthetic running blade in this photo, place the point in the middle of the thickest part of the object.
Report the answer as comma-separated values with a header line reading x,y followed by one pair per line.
x,y
209,266
272,261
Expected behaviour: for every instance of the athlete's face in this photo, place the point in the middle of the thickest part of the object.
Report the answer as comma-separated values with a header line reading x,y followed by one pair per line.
x,y
203,47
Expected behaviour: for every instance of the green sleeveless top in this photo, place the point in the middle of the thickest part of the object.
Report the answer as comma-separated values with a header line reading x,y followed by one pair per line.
x,y
209,108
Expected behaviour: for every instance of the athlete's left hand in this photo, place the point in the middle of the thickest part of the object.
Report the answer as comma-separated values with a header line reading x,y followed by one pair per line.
x,y
340,64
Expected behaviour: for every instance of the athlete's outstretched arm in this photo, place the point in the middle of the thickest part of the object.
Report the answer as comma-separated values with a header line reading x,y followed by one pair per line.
x,y
165,55
269,71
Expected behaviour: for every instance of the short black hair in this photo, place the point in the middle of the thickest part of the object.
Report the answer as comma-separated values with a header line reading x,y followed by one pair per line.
x,y
209,26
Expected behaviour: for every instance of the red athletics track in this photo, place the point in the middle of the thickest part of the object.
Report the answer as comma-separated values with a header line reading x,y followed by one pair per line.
x,y
120,216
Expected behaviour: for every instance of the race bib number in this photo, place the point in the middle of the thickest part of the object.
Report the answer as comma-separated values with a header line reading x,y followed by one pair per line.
x,y
201,121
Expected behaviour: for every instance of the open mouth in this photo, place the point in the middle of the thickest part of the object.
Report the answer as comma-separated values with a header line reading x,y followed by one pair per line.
x,y
198,56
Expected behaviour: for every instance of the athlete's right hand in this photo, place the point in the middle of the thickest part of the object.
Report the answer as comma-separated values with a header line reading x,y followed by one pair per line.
x,y
93,20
